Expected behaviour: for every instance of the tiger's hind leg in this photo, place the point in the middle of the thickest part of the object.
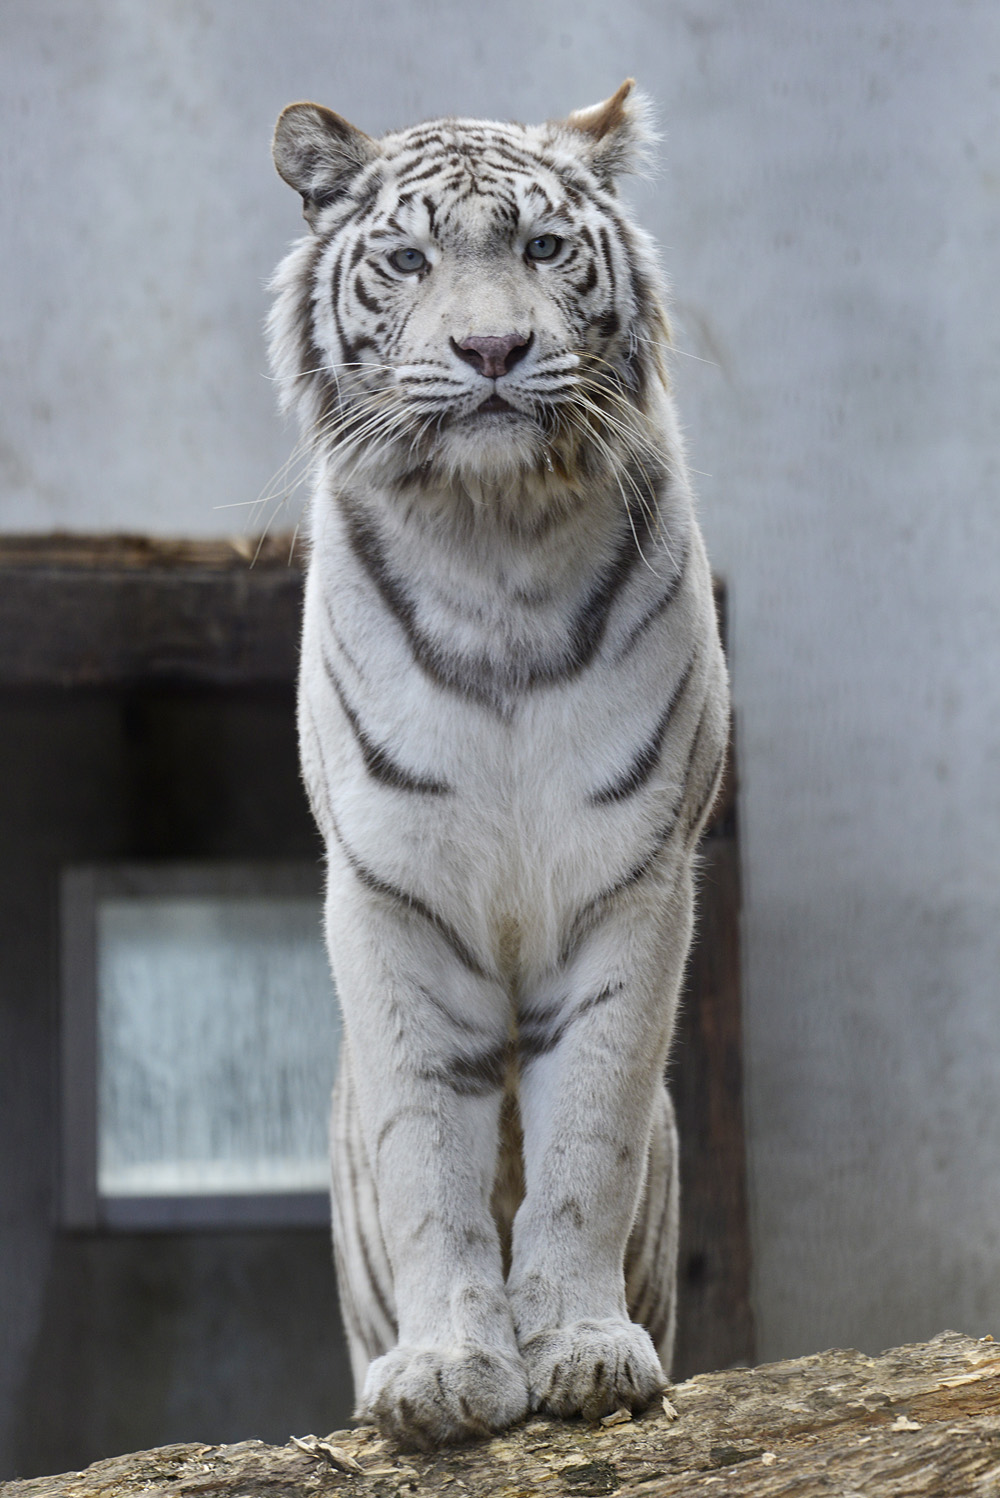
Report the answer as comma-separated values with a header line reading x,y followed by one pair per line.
x,y
364,1279
651,1256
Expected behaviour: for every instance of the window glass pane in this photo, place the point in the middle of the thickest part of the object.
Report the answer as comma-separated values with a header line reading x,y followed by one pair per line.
x,y
217,1030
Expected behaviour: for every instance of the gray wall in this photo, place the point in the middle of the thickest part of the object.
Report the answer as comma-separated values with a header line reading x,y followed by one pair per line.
x,y
829,210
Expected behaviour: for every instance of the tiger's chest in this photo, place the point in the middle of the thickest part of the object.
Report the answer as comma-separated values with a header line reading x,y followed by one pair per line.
x,y
468,726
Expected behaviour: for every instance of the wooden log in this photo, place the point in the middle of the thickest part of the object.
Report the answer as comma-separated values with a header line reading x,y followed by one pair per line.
x,y
919,1420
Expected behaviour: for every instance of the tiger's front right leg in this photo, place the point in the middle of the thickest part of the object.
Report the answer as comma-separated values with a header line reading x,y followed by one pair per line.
x,y
416,1124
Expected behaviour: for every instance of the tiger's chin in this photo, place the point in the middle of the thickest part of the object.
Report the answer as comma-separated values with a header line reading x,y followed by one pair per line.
x,y
495,443
503,471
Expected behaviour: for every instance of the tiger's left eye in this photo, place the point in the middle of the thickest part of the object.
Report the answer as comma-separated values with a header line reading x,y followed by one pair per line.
x,y
408,259
544,247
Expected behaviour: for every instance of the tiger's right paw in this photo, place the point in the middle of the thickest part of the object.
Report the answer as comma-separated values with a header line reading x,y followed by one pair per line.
x,y
439,1396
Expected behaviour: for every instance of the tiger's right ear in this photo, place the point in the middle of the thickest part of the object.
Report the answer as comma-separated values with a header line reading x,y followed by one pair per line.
x,y
318,153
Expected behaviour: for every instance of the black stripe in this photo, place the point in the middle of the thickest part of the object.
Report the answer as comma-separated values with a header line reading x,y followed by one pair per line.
x,y
535,1039
664,1295
591,620
408,178
605,242
364,542
407,1111
378,762
349,1310
312,360
705,805
607,323
361,292
642,292
536,190
473,1076
477,677
660,606
354,346
335,279
590,915
645,762
652,1291
367,190
373,1279
335,636
412,904
586,286
458,1020
322,812
431,214
695,737
376,269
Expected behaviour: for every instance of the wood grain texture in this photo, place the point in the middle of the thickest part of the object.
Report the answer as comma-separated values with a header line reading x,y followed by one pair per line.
x,y
117,611
714,1321
919,1420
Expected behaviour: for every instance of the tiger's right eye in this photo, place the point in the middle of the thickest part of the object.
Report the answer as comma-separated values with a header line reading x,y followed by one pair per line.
x,y
408,260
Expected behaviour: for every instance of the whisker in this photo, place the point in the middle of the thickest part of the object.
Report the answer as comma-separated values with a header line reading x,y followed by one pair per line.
x,y
688,355
237,504
618,473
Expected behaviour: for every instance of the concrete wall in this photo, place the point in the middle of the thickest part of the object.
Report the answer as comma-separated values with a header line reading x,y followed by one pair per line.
x,y
830,216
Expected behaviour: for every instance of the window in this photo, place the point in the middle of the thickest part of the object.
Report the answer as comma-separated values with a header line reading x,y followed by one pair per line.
x,y
200,1034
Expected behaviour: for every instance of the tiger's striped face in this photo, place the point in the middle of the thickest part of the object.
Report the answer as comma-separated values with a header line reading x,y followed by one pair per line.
x,y
472,300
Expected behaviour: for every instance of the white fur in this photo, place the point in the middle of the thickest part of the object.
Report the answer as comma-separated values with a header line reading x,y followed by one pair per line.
x,y
541,953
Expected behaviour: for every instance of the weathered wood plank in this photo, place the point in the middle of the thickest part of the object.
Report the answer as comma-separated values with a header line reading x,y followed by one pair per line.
x,y
714,1321
919,1420
118,611
115,551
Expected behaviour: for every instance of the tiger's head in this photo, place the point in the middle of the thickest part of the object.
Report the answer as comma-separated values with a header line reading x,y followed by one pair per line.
x,y
472,302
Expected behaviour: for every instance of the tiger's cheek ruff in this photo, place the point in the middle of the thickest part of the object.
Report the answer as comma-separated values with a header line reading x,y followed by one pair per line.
x,y
512,713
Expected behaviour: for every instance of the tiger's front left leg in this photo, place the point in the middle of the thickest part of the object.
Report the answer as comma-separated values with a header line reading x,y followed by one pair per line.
x,y
427,1044
593,1051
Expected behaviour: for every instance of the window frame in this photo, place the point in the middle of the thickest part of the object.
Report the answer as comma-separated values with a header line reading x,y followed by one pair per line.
x,y
81,1205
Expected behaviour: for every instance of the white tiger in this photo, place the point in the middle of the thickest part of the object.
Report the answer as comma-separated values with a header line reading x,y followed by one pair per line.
x,y
513,715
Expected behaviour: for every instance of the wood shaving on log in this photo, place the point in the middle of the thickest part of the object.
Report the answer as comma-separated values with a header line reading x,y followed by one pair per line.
x,y
335,1455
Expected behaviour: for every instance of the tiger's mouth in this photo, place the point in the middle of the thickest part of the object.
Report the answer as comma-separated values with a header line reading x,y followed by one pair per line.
x,y
494,404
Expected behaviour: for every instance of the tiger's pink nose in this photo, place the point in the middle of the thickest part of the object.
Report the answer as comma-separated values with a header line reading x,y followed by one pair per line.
x,y
493,356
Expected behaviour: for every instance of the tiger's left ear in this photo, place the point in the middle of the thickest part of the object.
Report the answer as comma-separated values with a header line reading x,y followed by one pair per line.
x,y
615,133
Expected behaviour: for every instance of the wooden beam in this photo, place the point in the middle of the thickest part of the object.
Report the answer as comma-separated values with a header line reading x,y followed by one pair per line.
x,y
118,611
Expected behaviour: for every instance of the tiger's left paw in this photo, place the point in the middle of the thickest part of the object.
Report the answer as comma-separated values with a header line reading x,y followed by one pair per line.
x,y
592,1368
